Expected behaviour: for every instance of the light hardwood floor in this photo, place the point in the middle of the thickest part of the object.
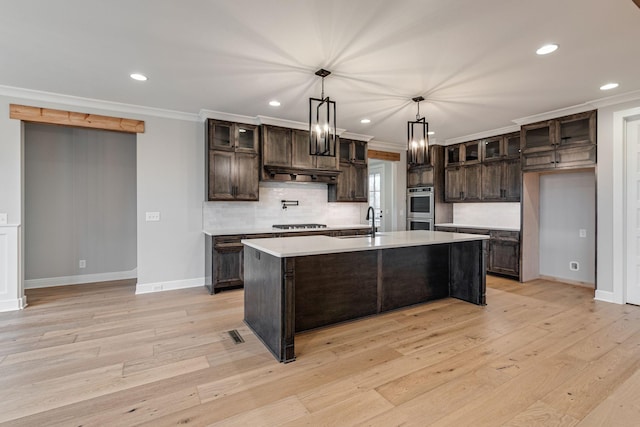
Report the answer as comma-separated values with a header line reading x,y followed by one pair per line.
x,y
540,353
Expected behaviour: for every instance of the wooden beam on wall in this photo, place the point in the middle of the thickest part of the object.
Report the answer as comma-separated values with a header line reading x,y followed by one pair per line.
x,y
70,118
383,155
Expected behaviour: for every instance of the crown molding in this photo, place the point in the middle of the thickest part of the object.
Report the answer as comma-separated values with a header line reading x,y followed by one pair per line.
x,y
387,146
219,115
616,99
358,136
274,121
486,134
77,101
581,108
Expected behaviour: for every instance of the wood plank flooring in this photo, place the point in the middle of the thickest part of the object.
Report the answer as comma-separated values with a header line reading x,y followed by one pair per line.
x,y
541,353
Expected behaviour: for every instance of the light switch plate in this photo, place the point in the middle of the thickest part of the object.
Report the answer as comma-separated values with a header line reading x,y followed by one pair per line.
x,y
3,218
152,216
583,232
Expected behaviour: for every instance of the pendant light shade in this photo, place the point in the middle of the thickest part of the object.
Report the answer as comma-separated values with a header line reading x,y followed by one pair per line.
x,y
322,123
418,138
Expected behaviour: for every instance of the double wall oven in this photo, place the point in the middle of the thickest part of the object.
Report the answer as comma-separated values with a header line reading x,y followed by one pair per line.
x,y
420,206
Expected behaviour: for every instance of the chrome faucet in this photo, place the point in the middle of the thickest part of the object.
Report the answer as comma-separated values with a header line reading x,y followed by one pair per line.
x,y
371,215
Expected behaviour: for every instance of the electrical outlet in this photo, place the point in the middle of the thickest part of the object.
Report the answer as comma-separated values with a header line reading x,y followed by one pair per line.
x,y
3,218
152,216
82,263
582,232
574,265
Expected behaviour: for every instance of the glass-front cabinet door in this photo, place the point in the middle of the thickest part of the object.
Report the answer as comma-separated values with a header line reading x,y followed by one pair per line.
x,y
537,137
472,152
247,137
492,148
453,155
221,135
512,145
578,129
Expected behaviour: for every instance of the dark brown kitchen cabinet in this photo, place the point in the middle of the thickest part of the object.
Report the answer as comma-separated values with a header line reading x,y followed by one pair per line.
x,y
454,184
352,183
224,263
429,173
419,176
453,155
562,143
463,183
224,255
285,157
501,180
232,161
352,151
501,147
472,152
502,249
276,146
300,157
504,253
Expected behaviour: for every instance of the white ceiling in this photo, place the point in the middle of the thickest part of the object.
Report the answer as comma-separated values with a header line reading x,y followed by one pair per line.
x,y
474,61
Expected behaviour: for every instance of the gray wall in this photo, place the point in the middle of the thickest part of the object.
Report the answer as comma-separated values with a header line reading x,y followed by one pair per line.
x,y
567,204
80,201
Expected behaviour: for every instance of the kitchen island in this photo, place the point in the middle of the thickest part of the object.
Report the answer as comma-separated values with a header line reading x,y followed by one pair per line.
x,y
295,284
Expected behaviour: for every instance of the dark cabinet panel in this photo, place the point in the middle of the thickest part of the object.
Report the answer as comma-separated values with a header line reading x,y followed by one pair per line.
x,y
454,184
542,160
276,146
575,156
512,180
537,137
501,181
420,176
247,179
492,173
472,183
504,253
300,157
221,172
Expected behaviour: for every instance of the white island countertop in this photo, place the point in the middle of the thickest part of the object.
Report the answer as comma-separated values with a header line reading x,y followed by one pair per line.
x,y
284,247
267,229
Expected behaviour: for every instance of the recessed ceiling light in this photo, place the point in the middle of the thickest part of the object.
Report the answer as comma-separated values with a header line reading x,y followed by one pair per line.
x,y
609,86
274,103
546,49
365,121
138,76
431,132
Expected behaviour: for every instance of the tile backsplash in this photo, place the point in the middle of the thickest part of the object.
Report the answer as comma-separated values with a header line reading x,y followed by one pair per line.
x,y
487,214
312,208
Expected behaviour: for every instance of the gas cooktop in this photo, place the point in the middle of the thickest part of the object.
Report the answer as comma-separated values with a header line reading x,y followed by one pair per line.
x,y
298,226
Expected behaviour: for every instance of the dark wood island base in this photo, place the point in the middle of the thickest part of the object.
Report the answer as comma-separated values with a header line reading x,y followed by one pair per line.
x,y
285,295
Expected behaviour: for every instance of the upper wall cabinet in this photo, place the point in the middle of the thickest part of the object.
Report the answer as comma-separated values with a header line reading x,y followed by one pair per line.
x,y
563,143
484,170
421,175
352,183
285,157
232,161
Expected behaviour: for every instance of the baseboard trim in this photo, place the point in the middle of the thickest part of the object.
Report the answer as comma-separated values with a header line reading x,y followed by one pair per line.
x,y
80,279
173,285
605,296
570,282
13,305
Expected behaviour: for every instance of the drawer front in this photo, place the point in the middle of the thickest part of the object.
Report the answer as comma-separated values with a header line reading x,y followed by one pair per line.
x,y
512,236
447,229
220,240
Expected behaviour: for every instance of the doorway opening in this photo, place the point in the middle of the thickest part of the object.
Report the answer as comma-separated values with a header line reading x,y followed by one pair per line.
x,y
80,205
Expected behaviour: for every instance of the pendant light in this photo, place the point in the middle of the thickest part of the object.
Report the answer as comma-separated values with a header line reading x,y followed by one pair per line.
x,y
322,123
418,138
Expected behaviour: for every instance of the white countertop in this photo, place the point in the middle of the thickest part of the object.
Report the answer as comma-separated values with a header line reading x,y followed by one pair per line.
x,y
486,227
284,247
260,230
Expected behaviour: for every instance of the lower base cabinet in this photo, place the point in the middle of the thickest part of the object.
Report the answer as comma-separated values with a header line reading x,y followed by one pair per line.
x,y
224,255
503,249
